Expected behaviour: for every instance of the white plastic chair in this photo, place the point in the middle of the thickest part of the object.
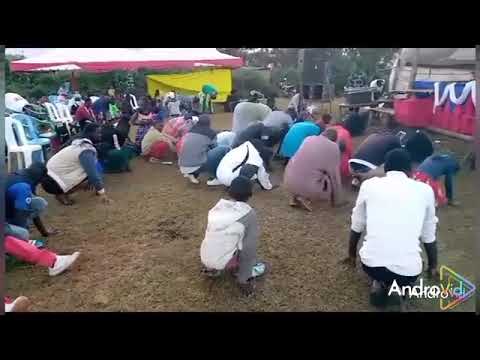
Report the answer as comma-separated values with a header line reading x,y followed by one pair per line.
x,y
133,102
64,112
54,115
14,148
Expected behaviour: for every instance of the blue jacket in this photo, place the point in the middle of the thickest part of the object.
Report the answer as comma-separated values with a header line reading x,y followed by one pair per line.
x,y
295,136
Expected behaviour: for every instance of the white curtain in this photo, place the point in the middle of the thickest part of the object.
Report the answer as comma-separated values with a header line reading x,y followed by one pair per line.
x,y
449,92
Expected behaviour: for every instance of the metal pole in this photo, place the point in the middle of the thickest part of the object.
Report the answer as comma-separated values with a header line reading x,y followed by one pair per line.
x,y
301,58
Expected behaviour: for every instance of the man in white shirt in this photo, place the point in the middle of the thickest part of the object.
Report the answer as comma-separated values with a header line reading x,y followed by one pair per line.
x,y
401,213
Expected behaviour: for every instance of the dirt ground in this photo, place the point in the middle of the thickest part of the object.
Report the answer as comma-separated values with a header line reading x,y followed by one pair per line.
x,y
142,253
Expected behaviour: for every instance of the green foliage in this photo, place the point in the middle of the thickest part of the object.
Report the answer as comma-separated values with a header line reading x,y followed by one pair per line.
x,y
245,80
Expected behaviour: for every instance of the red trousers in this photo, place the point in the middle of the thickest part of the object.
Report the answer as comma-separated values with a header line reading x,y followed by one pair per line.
x,y
24,251
159,150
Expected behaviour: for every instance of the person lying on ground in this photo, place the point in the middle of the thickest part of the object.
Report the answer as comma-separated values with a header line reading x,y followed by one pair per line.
x,y
299,132
313,173
401,211
156,145
74,167
230,242
196,144
140,123
247,113
22,206
432,169
29,253
84,114
368,159
112,154
244,160
344,139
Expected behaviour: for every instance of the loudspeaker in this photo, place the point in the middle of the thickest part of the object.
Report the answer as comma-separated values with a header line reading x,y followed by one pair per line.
x,y
313,67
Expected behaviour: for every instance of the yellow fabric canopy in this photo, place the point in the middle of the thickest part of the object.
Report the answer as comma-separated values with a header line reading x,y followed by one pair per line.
x,y
191,83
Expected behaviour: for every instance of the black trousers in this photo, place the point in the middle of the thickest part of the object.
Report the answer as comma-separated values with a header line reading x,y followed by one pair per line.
x,y
386,276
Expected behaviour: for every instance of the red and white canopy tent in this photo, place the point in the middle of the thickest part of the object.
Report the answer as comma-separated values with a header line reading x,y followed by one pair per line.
x,y
129,59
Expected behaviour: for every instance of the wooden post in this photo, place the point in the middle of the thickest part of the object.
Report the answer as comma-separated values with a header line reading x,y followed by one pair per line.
x,y
301,58
413,72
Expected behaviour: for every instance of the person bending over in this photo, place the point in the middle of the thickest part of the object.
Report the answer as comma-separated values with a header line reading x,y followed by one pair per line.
x,y
75,166
244,160
401,215
230,242
247,113
22,206
432,169
195,146
313,173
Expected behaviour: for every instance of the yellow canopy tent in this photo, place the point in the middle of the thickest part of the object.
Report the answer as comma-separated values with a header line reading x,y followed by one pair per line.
x,y
191,83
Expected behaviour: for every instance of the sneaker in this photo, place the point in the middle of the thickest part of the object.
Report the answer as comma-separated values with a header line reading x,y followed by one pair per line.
x,y
214,182
20,304
39,244
212,273
192,179
154,160
259,269
63,263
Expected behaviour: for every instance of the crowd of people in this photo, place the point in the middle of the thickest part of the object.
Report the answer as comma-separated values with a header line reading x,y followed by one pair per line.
x,y
318,158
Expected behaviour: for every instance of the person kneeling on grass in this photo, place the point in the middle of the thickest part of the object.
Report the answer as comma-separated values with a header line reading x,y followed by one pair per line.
x,y
196,144
31,254
313,173
401,211
71,168
231,238
156,145
22,206
432,169
244,160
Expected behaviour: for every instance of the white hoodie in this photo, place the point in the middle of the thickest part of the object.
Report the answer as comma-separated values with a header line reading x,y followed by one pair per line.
x,y
224,233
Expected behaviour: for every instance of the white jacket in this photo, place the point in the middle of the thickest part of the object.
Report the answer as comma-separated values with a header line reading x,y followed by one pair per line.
x,y
64,167
229,168
224,233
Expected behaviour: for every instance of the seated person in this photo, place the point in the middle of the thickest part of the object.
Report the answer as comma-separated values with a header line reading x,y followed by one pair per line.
x,y
75,166
244,160
231,238
24,251
22,206
196,144
247,113
394,226
432,169
368,159
101,108
313,173
297,133
140,123
84,114
344,139
156,145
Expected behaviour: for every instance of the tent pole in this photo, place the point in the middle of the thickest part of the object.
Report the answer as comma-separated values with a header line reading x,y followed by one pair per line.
x,y
413,72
